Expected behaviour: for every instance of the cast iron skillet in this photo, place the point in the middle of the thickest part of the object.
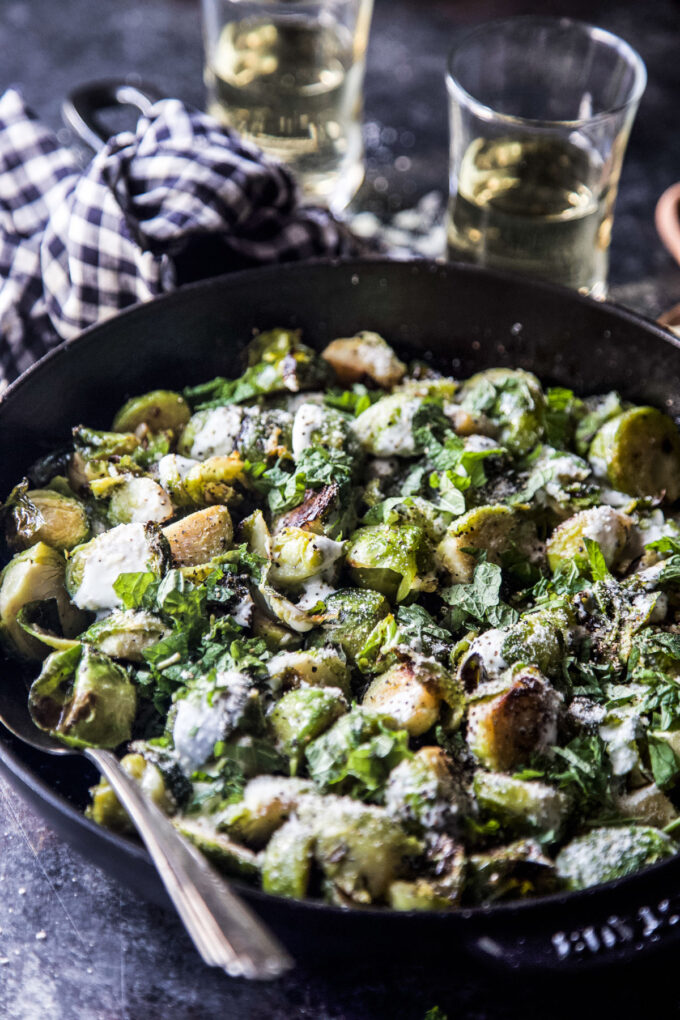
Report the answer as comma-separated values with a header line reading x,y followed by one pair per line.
x,y
463,319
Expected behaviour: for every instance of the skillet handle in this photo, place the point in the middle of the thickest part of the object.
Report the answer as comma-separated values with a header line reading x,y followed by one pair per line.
x,y
81,108
593,938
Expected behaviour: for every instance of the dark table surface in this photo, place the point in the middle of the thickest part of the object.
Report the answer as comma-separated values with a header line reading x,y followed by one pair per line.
x,y
73,944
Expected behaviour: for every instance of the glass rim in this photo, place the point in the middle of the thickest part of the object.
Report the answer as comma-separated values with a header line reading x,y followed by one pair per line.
x,y
615,42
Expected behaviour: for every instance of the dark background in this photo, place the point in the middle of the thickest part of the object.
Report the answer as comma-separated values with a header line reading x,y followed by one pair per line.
x,y
73,944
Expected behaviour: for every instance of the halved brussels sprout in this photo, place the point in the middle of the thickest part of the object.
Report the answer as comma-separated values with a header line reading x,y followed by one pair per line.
x,y
211,710
520,869
639,453
302,715
415,510
513,400
394,560
199,537
229,857
360,849
298,555
106,810
610,528
496,530
512,719
648,805
84,698
320,512
522,806
276,637
365,355
126,634
92,454
426,793
318,667
350,617
287,860
539,639
129,548
385,429
43,515
159,409
266,804
317,425
35,575
138,500
607,853
211,433
411,695
201,483
421,894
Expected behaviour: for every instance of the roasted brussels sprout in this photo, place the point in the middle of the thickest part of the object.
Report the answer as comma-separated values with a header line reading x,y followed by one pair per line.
x,y
93,568
648,805
105,808
43,515
298,555
199,537
126,634
84,698
317,425
492,529
511,719
638,452
385,429
364,356
302,715
412,692
520,869
393,560
522,806
231,858
35,575
539,639
360,849
322,512
287,860
138,501
413,510
268,801
192,483
610,528
317,667
159,409
211,710
607,853
350,617
513,400
426,793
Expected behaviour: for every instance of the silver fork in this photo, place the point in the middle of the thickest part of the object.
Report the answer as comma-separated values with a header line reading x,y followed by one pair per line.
x,y
225,931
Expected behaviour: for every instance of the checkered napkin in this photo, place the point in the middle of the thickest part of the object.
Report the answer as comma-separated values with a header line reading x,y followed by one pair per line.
x,y
178,199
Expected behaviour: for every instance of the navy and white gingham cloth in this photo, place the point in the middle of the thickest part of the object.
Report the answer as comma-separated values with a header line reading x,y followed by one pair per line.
x,y
179,198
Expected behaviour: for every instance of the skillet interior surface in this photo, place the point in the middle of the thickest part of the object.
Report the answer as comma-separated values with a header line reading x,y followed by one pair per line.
x,y
463,319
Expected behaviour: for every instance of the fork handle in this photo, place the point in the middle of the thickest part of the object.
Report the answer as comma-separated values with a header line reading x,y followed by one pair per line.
x,y
225,931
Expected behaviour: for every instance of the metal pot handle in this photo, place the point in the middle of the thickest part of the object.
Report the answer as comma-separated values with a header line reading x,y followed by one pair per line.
x,y
81,108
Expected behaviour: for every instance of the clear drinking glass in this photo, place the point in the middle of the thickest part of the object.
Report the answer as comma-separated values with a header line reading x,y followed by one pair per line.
x,y
540,113
288,75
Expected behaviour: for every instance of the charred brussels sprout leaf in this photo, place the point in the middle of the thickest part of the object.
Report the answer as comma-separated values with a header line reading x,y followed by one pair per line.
x,y
84,698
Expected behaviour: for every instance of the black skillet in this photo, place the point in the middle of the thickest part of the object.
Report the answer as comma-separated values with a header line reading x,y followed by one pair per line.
x,y
463,319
